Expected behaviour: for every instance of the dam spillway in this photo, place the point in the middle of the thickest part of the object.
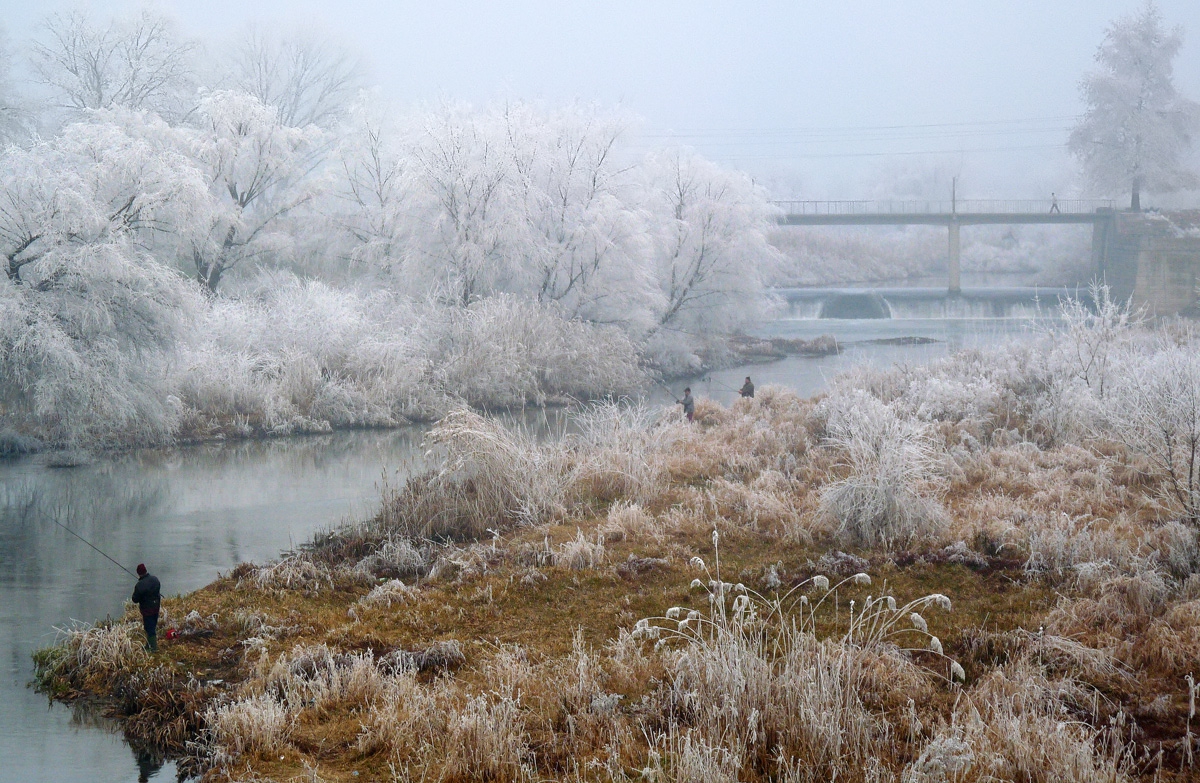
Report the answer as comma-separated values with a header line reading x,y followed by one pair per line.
x,y
903,302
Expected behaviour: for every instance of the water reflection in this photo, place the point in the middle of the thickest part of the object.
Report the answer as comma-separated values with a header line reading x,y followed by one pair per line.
x,y
188,513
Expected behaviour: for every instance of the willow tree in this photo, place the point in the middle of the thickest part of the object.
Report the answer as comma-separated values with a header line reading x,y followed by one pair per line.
x,y
1137,127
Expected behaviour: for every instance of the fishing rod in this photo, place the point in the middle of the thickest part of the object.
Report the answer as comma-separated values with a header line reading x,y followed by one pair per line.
x,y
668,388
93,546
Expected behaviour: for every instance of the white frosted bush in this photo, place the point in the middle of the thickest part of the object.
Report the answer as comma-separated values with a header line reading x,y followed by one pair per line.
x,y
889,496
1153,407
391,593
85,342
290,355
249,727
579,553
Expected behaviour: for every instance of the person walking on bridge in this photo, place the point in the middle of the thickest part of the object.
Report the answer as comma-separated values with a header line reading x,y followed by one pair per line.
x,y
747,389
1054,204
146,594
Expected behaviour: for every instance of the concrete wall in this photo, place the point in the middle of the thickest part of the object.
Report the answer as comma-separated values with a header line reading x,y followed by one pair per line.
x,y
1153,258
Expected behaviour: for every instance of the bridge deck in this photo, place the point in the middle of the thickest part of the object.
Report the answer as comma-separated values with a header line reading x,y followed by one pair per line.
x,y
944,218
963,212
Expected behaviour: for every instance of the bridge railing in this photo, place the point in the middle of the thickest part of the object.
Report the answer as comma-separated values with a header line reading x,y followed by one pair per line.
x,y
964,206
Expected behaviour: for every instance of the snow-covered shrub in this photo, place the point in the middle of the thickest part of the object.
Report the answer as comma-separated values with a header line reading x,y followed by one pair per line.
x,y
293,355
617,443
85,341
1153,407
1093,336
391,593
395,557
504,351
889,496
580,553
254,726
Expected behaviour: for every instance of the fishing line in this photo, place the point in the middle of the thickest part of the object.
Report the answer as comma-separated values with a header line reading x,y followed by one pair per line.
x,y
93,546
709,379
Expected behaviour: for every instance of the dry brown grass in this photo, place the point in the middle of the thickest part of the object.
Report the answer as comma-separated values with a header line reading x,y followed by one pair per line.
x,y
521,644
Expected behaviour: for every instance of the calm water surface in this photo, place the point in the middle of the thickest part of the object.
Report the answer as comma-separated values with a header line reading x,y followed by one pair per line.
x,y
190,513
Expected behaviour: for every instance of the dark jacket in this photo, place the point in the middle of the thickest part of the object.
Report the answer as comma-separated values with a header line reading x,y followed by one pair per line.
x,y
747,389
689,405
146,595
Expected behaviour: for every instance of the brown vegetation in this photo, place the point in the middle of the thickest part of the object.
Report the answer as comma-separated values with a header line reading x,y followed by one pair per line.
x,y
920,577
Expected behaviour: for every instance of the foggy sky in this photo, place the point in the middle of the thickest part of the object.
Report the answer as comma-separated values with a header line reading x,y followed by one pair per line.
x,y
803,95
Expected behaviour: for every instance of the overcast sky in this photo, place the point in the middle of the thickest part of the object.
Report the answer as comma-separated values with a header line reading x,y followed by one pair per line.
x,y
812,98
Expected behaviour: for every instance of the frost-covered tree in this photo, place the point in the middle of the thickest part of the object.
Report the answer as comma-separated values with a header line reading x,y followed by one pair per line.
x,y
88,318
710,226
91,183
308,80
369,200
459,199
259,172
1137,127
138,62
585,246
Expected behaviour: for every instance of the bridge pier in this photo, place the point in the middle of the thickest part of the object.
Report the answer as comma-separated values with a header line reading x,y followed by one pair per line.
x,y
1102,235
954,259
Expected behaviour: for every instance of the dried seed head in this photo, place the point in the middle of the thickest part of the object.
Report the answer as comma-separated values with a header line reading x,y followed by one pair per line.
x,y
674,612
697,584
861,579
820,582
739,588
716,538
804,599
891,603
935,644
919,622
693,615
941,601
956,672
642,624
696,562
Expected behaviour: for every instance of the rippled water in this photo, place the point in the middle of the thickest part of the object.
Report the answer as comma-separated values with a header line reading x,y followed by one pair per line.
x,y
191,512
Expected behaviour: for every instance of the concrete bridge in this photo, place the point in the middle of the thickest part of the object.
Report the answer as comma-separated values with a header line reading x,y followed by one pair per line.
x,y
956,213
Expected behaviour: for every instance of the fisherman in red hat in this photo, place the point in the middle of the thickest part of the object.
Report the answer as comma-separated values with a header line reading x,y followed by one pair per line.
x,y
146,596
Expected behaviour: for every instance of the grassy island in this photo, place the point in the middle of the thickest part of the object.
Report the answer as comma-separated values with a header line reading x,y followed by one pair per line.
x,y
979,570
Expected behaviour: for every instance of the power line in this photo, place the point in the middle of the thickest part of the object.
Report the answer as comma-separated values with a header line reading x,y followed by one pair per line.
x,y
904,137
960,151
701,133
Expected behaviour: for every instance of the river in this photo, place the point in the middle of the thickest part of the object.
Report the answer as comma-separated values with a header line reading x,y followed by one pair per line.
x,y
192,512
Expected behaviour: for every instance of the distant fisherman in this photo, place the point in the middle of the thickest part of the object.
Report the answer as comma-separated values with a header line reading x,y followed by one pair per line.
x,y
1054,204
146,596
689,405
747,389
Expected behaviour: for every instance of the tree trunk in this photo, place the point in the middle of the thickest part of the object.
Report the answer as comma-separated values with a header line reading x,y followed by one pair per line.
x,y
1135,202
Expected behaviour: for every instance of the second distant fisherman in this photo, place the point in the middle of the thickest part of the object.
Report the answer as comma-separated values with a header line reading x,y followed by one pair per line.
x,y
689,405
747,389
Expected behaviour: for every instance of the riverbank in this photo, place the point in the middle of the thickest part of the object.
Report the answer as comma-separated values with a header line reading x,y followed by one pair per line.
x,y
423,642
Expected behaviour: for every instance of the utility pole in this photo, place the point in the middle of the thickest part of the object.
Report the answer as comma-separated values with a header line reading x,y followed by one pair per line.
x,y
953,256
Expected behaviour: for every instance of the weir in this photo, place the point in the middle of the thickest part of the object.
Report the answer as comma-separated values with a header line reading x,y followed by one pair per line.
x,y
985,302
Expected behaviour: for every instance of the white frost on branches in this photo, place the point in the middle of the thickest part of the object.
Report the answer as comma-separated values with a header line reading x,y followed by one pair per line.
x,y
1137,127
